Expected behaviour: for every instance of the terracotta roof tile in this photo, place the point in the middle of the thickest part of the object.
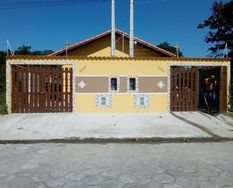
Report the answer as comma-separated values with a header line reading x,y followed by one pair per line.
x,y
33,57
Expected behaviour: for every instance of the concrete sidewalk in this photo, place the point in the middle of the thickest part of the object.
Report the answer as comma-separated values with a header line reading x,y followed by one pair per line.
x,y
72,126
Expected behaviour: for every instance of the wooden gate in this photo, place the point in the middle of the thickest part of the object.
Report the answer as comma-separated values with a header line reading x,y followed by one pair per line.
x,y
41,89
183,89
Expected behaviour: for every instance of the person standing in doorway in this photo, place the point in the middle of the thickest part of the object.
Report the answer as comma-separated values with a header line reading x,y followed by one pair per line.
x,y
209,92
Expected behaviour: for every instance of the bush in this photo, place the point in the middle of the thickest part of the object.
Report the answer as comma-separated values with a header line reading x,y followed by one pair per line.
x,y
3,107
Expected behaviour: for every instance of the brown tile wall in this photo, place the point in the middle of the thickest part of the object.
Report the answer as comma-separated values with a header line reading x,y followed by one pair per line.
x,y
93,84
100,84
149,84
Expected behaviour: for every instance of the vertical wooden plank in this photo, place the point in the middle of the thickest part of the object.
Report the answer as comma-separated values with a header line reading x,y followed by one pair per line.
x,y
71,91
57,91
13,73
171,89
47,105
176,91
53,89
19,91
41,94
192,96
62,92
26,91
196,89
37,90
66,89
189,91
223,90
180,90
32,95
185,92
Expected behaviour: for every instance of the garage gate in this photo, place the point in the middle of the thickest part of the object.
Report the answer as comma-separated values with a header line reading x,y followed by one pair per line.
x,y
37,89
185,85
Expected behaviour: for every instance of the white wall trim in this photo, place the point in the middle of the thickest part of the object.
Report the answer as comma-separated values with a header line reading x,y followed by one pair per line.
x,y
162,93
128,75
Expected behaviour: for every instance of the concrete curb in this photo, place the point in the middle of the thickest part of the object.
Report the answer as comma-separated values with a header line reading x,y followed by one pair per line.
x,y
120,140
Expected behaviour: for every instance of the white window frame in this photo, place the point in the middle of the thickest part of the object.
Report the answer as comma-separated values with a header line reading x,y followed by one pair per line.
x,y
118,84
137,98
108,101
128,84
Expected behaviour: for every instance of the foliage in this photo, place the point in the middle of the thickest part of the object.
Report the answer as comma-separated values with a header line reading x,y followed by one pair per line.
x,y
220,24
2,70
3,107
170,48
26,50
23,50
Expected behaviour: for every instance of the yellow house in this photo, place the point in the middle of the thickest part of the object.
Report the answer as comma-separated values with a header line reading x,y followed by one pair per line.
x,y
85,78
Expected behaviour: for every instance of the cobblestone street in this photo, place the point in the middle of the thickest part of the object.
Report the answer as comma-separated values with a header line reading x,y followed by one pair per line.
x,y
201,165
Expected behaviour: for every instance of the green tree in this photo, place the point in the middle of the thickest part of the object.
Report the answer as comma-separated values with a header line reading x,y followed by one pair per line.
x,y
170,48
26,50
2,70
23,50
44,52
220,24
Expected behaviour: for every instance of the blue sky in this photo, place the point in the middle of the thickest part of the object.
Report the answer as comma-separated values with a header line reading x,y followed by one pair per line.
x,y
156,21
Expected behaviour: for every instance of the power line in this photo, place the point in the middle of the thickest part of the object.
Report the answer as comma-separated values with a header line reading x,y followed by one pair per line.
x,y
150,1
12,4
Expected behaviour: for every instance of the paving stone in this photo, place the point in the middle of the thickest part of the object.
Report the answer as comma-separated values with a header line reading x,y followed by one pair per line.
x,y
110,183
58,182
91,180
58,173
176,173
187,182
109,174
220,181
133,185
162,178
127,178
75,176
171,186
117,165
227,174
91,171
73,185
29,166
207,185
22,182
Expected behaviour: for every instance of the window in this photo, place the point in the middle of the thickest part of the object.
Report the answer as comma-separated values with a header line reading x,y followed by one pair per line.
x,y
103,100
132,84
114,84
141,101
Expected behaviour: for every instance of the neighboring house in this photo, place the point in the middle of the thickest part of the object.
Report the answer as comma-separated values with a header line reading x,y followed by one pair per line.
x,y
85,78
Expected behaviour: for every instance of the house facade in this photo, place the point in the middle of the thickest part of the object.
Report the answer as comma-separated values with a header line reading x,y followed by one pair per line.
x,y
85,78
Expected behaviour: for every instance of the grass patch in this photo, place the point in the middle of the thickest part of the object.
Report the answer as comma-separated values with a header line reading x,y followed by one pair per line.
x,y
3,107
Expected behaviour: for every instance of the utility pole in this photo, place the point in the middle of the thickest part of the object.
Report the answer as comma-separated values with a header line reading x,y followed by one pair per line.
x,y
113,34
66,46
131,37
177,50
